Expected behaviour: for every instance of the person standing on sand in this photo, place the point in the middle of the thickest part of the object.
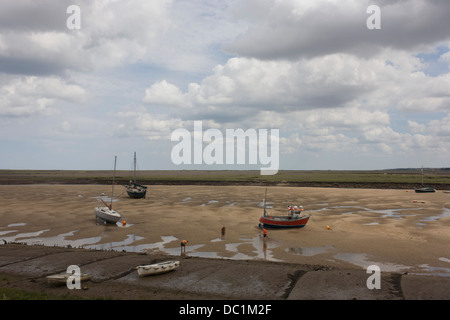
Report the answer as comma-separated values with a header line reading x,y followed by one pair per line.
x,y
183,245
265,233
223,232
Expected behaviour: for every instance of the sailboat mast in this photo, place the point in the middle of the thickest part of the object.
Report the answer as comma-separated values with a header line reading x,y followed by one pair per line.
x,y
134,174
422,175
114,178
265,213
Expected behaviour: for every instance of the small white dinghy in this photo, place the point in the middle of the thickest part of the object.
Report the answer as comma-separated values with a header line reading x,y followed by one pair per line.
x,y
157,268
61,278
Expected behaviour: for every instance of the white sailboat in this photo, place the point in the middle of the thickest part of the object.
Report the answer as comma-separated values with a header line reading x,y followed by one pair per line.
x,y
106,213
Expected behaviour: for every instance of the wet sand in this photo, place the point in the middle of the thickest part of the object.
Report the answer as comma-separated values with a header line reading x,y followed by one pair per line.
x,y
398,230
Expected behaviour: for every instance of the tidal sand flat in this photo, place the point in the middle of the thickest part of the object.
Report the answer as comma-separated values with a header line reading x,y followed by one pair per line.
x,y
398,230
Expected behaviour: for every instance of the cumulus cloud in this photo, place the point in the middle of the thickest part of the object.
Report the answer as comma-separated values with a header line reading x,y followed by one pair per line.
x,y
445,57
27,96
295,29
35,16
140,123
163,93
440,127
249,86
35,40
112,32
416,127
279,86
334,102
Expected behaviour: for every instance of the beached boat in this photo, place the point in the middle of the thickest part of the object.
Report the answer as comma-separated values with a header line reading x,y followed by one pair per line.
x,y
136,191
424,189
106,213
61,278
294,219
157,268
133,189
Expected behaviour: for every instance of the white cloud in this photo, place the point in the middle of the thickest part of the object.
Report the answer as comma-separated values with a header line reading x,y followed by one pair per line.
x,y
140,123
445,57
174,35
118,32
416,127
351,118
65,126
163,93
440,128
26,96
249,86
278,86
332,103
294,29
291,144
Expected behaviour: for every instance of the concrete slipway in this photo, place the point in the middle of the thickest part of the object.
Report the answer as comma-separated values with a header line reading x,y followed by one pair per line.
x,y
113,276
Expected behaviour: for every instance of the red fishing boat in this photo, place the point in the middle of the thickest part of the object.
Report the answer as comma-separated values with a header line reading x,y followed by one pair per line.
x,y
294,219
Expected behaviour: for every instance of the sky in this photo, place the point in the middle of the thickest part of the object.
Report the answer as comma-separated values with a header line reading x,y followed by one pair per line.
x,y
347,88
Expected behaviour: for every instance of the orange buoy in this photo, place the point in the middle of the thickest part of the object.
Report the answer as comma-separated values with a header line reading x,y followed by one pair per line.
x,y
124,223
